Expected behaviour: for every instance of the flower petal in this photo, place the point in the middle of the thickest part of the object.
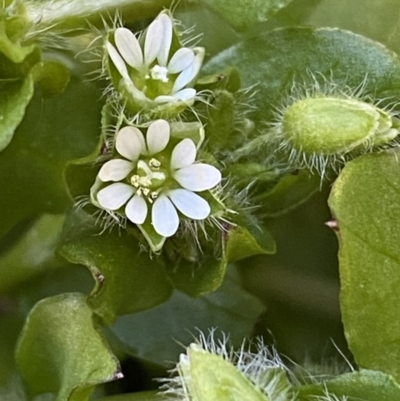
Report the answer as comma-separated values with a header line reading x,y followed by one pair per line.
x,y
115,170
130,143
184,154
153,41
166,39
132,90
118,61
129,47
164,217
158,136
190,204
185,94
165,99
136,210
189,73
182,59
114,196
198,177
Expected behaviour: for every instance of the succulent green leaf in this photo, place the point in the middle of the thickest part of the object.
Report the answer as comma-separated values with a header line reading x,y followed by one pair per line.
x,y
365,202
273,60
244,14
61,351
15,97
360,385
127,280
32,166
230,308
32,255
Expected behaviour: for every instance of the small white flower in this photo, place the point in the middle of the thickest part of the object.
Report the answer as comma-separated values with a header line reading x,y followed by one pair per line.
x,y
155,71
153,174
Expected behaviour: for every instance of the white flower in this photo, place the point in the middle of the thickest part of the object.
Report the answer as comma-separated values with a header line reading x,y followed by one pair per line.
x,y
153,174
155,71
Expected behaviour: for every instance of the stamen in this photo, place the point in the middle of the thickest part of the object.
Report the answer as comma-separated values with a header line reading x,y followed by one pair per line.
x,y
159,73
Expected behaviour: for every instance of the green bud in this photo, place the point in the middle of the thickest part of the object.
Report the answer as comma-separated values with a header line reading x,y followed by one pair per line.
x,y
329,126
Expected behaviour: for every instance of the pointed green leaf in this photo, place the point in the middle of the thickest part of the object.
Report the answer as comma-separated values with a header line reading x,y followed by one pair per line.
x,y
61,351
245,14
362,385
233,310
127,279
365,201
15,97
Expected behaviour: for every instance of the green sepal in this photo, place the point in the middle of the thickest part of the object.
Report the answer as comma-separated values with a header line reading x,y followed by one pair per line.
x,y
228,79
191,130
359,385
210,377
61,338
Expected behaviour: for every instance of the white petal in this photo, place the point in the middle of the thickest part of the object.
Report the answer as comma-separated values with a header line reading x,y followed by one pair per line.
x,y
118,61
198,177
136,210
184,154
190,204
164,217
165,99
181,60
130,143
189,73
115,170
153,41
129,47
114,196
158,136
185,94
166,39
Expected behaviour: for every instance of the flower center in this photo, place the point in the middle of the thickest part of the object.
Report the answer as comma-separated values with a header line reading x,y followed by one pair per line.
x,y
148,179
159,73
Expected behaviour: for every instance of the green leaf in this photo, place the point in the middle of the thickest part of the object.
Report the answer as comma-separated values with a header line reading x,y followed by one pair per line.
x,y
242,244
363,385
365,202
15,97
127,280
244,14
157,335
52,132
32,255
290,192
273,60
61,351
